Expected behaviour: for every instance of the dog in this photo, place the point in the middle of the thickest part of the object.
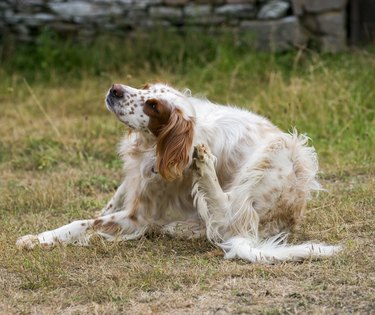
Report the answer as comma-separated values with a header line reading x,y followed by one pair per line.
x,y
234,177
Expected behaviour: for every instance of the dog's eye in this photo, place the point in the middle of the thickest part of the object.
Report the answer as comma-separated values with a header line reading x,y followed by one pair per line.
x,y
153,105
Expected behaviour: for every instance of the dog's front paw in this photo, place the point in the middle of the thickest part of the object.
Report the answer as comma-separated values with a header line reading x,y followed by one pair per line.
x,y
27,242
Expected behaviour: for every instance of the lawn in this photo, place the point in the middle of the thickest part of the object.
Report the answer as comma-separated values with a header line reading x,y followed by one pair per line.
x,y
58,163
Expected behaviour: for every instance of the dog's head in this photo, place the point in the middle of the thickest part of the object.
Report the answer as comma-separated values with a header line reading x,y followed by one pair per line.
x,y
162,112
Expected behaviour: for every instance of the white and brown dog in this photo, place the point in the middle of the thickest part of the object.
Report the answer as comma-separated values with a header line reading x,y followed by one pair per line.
x,y
235,177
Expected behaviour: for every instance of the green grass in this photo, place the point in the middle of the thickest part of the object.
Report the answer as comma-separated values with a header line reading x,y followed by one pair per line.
x,y
58,163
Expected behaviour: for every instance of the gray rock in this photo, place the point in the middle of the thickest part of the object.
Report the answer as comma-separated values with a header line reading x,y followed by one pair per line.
x,y
76,9
34,2
212,1
208,20
332,44
193,10
166,13
315,6
274,35
297,6
309,22
106,2
142,4
175,2
3,5
242,1
125,1
246,10
332,23
274,9
133,18
11,17
39,19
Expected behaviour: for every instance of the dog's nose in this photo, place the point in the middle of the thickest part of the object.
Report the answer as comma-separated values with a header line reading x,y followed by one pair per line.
x,y
117,91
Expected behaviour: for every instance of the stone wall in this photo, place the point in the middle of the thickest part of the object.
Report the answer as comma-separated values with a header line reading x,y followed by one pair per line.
x,y
324,21
271,24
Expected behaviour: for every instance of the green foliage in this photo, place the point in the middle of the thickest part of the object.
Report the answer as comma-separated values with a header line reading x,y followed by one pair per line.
x,y
91,185
331,97
38,154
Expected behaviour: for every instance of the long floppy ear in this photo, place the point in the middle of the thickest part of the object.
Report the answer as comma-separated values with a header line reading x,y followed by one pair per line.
x,y
173,145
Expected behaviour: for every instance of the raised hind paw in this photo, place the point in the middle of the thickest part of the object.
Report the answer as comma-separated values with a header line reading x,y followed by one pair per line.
x,y
203,159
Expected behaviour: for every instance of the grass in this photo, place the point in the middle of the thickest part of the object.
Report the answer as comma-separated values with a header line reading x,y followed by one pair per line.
x,y
58,163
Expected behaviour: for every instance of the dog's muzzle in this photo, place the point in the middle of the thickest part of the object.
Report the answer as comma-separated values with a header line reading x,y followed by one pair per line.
x,y
116,92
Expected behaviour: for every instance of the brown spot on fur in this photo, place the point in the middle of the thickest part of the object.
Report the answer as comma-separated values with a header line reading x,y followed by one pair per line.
x,y
264,165
83,224
135,207
276,146
97,223
134,218
283,217
111,228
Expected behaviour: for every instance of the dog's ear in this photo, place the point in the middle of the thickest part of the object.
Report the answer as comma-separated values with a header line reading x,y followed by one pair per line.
x,y
173,146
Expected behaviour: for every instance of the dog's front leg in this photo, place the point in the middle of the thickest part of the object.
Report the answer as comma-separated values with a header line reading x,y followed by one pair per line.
x,y
117,201
123,225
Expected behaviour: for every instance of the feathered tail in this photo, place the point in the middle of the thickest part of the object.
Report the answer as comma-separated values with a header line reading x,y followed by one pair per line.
x,y
274,249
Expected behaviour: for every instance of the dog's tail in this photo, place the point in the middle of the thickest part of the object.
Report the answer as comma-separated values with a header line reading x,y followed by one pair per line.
x,y
274,249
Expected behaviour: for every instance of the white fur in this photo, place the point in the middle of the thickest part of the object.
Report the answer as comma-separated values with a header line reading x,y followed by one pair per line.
x,y
273,250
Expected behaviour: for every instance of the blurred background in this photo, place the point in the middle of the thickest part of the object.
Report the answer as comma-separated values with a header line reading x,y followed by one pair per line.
x,y
275,25
305,63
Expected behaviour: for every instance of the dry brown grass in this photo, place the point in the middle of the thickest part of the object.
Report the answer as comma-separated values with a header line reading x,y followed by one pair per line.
x,y
51,175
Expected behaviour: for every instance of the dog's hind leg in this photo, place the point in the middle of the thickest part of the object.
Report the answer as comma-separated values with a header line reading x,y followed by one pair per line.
x,y
211,201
